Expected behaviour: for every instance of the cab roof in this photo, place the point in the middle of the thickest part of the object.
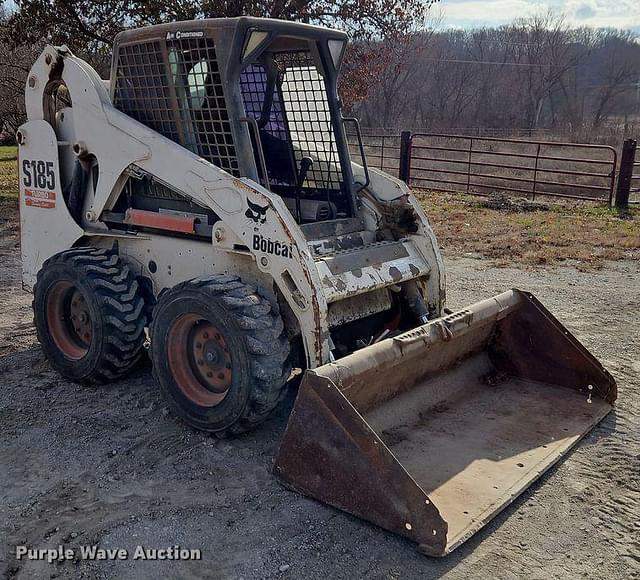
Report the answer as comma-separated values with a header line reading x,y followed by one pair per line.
x,y
216,26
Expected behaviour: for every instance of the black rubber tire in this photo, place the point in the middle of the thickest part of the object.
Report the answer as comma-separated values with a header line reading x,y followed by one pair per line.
x,y
117,314
252,327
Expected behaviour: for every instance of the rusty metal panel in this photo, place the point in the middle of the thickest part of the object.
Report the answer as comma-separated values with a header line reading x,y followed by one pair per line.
x,y
160,221
329,452
432,433
537,347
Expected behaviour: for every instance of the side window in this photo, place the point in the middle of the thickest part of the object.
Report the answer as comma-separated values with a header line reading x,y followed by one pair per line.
x,y
202,106
183,97
142,87
197,84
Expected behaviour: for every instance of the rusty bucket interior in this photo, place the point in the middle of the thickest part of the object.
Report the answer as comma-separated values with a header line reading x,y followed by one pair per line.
x,y
431,433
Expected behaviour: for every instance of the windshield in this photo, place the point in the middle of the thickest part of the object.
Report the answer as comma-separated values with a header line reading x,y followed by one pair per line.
x,y
285,93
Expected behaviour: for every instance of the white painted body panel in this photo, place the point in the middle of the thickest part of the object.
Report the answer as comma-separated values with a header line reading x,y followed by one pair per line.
x,y
276,253
46,227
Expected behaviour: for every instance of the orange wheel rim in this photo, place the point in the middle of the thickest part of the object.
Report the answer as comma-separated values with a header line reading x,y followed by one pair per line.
x,y
69,320
199,360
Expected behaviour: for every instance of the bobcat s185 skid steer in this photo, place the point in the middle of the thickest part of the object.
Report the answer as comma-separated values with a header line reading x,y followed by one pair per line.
x,y
206,192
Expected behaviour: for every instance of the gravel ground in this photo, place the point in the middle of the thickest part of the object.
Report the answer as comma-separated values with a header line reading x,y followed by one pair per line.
x,y
110,466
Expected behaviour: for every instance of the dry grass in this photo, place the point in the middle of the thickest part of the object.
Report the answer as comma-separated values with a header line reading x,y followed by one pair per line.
x,y
582,232
9,216
8,175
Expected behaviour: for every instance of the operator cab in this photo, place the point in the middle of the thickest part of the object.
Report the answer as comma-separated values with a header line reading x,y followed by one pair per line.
x,y
255,97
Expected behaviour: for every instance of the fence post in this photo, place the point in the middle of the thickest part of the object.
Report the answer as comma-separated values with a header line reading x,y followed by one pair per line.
x,y
626,173
404,171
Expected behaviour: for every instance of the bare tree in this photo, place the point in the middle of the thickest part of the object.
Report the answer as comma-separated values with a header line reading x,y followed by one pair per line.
x,y
15,63
532,75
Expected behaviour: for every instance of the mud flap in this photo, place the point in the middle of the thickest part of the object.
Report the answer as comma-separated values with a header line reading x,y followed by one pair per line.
x,y
432,433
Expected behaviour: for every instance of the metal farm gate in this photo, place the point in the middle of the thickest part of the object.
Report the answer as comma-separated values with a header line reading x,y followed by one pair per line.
x,y
481,165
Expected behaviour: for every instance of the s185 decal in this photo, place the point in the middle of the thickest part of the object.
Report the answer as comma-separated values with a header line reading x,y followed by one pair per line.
x,y
38,174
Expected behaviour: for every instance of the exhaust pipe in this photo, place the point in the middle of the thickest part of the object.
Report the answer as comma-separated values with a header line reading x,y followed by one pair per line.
x,y
431,433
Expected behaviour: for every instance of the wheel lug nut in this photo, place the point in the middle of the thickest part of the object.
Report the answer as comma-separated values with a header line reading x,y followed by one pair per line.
x,y
210,374
205,335
221,375
200,362
198,345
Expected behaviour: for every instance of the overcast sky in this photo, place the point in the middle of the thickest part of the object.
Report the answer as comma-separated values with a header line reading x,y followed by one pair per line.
x,y
596,13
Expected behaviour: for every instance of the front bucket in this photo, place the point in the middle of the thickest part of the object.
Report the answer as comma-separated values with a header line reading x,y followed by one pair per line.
x,y
430,434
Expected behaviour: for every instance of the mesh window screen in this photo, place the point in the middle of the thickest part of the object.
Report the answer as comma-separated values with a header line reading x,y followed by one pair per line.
x,y
304,98
142,91
298,123
201,101
253,85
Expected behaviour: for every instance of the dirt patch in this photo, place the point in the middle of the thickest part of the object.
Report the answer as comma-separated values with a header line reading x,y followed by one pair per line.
x,y
511,204
110,465
9,225
510,231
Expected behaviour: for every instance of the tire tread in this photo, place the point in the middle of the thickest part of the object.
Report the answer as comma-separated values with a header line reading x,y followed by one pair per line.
x,y
259,321
115,290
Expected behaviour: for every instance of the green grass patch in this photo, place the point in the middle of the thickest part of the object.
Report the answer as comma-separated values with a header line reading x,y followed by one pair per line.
x,y
8,176
8,152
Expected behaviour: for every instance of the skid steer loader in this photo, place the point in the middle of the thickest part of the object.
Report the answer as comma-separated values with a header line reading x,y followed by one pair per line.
x,y
206,192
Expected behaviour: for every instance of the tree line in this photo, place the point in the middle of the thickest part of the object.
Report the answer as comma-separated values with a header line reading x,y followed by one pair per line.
x,y
536,74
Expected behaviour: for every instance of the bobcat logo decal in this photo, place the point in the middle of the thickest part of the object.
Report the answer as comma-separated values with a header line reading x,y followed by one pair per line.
x,y
256,213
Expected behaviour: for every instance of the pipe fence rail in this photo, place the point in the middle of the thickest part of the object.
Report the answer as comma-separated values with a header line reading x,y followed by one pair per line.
x,y
480,165
382,150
